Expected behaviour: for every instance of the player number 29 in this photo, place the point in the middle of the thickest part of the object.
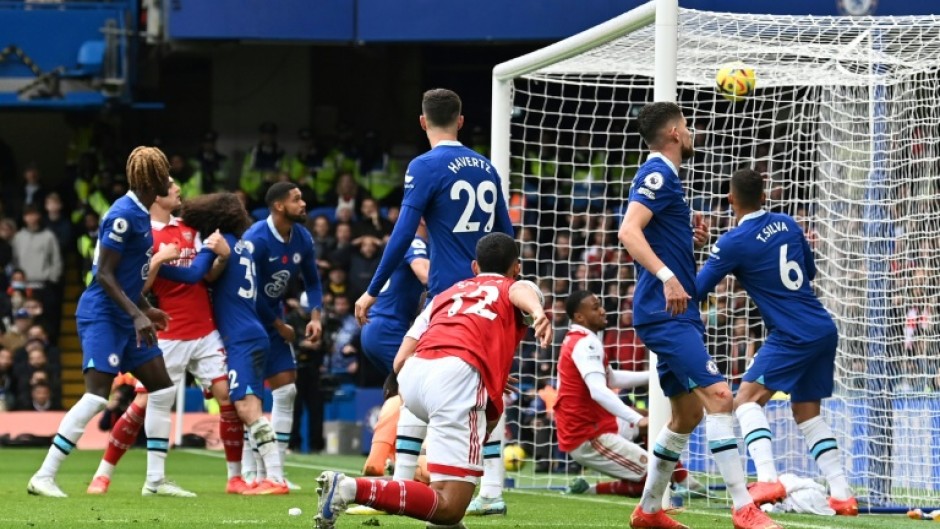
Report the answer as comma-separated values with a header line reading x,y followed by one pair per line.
x,y
788,269
484,195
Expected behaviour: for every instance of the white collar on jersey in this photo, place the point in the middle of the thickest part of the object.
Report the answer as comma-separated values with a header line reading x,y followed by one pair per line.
x,y
582,328
663,158
157,225
490,274
273,229
752,215
133,196
448,143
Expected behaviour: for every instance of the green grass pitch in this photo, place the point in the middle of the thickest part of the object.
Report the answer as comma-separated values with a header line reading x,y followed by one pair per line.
x,y
204,473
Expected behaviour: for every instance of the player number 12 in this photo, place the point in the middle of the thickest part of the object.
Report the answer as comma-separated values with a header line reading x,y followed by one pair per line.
x,y
489,294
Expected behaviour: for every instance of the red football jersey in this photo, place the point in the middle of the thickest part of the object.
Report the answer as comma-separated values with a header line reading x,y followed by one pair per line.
x,y
475,321
578,418
188,306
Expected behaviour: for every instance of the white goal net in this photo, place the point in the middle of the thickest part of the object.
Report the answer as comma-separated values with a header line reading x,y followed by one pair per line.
x,y
845,124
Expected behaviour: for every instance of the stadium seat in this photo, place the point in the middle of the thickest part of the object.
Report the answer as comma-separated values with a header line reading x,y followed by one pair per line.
x,y
259,213
326,211
90,60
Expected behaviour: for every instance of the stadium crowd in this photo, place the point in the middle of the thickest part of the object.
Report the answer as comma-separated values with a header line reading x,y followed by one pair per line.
x,y
353,192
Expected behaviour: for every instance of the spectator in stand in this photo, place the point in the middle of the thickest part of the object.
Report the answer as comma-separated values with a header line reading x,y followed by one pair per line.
x,y
40,397
305,166
342,252
371,223
31,193
261,161
210,166
36,371
559,266
182,172
393,214
362,266
7,232
323,241
15,337
7,387
346,194
344,337
36,249
87,242
336,283
19,290
38,332
622,344
57,223
309,394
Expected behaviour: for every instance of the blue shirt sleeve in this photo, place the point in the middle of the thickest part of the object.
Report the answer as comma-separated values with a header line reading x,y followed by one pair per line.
x,y
114,232
503,222
192,274
402,235
417,250
720,263
308,268
653,191
419,186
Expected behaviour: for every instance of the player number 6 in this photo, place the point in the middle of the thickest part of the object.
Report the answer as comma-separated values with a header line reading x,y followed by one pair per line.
x,y
787,268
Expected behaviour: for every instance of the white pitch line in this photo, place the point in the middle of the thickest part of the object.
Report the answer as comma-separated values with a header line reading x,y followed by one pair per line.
x,y
789,523
212,453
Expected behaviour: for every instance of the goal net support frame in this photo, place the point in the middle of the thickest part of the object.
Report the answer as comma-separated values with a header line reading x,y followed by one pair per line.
x,y
850,147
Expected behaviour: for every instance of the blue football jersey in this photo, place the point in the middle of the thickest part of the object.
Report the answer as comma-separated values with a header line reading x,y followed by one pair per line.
x,y
401,295
233,301
769,255
669,234
278,261
125,229
459,194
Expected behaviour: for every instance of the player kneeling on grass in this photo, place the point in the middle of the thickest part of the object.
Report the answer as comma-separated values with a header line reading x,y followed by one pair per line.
x,y
246,341
594,426
455,382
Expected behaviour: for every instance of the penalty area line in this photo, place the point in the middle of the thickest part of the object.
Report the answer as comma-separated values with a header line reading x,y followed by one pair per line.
x,y
787,523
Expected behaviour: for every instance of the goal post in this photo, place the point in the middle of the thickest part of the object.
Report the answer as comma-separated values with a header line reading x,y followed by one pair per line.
x,y
843,122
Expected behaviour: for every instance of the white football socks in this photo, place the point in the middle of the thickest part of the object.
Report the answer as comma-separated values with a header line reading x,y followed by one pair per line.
x,y
758,439
70,431
719,430
822,445
666,452
157,426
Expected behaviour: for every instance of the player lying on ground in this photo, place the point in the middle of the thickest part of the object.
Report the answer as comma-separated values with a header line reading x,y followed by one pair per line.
x,y
454,382
246,341
594,426
768,253
191,343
